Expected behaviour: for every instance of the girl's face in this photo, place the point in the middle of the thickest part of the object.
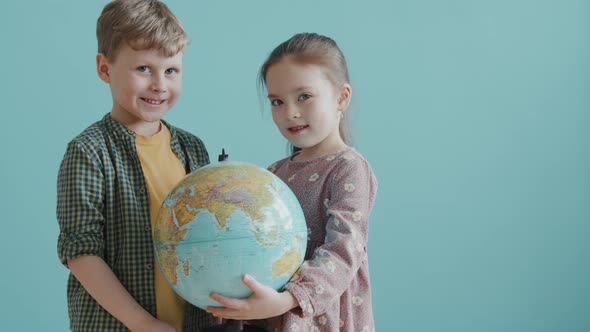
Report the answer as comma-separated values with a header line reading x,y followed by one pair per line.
x,y
306,107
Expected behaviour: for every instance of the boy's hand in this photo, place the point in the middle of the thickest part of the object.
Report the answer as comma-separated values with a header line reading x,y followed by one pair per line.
x,y
100,281
265,302
154,325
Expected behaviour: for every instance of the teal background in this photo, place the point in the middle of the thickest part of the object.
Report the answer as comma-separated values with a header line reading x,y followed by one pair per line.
x,y
474,114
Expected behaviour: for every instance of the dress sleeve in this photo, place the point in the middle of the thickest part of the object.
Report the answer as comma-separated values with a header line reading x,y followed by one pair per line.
x,y
326,276
80,200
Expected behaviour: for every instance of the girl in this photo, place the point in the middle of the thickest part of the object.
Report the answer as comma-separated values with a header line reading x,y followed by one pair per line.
x,y
309,91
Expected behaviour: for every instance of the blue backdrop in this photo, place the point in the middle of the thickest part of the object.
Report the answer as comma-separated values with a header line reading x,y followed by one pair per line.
x,y
474,114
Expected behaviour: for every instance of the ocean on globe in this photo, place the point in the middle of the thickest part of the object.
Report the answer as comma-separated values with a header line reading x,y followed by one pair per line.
x,y
223,221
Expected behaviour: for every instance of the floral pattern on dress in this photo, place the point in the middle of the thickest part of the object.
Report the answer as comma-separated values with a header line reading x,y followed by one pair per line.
x,y
349,187
336,193
357,215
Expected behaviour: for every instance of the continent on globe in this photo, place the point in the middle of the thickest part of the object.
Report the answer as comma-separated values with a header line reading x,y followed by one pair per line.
x,y
223,221
288,263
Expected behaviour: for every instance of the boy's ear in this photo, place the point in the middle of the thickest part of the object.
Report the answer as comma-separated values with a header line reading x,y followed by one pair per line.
x,y
103,67
344,97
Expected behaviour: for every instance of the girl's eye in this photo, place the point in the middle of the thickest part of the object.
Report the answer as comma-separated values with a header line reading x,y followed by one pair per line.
x,y
276,102
142,69
304,96
170,71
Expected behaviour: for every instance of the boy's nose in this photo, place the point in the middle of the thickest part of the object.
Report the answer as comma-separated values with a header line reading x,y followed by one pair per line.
x,y
158,84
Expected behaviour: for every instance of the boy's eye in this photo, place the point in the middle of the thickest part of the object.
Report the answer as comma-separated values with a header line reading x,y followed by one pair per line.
x,y
304,96
276,102
142,69
170,71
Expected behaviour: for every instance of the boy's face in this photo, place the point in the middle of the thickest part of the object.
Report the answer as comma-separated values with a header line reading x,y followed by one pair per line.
x,y
144,84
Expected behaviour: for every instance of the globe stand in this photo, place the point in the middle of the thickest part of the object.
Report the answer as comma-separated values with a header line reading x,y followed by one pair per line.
x,y
231,325
223,156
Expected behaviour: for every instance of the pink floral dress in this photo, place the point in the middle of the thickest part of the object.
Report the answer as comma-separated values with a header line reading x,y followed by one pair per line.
x,y
332,286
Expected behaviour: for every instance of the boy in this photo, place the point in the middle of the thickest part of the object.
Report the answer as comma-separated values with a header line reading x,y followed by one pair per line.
x,y
116,173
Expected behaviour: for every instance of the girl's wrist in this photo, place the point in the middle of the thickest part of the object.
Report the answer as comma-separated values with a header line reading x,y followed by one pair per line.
x,y
290,302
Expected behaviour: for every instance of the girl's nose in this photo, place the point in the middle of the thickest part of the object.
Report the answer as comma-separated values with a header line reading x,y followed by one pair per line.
x,y
293,112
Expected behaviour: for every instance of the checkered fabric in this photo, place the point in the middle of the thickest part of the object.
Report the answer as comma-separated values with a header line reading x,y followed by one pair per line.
x,y
103,210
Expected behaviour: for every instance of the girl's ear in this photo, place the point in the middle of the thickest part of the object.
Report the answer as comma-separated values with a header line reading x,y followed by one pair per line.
x,y
344,97
103,67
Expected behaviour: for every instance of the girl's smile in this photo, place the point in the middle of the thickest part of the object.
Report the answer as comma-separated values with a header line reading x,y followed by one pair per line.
x,y
297,129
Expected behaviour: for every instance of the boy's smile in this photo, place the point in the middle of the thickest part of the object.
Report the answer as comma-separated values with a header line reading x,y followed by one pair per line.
x,y
152,101
144,84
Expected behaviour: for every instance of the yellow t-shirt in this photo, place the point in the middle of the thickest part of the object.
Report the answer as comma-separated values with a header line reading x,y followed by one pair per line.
x,y
162,170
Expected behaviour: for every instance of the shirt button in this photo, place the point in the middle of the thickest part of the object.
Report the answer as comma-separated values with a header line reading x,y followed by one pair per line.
x,y
142,190
149,266
130,132
147,228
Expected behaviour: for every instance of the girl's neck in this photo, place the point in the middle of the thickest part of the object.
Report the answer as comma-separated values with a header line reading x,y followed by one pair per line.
x,y
319,151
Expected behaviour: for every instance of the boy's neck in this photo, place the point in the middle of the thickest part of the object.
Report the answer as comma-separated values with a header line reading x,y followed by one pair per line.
x,y
139,126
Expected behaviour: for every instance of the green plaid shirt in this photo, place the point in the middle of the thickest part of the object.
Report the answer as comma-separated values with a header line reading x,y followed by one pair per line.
x,y
103,210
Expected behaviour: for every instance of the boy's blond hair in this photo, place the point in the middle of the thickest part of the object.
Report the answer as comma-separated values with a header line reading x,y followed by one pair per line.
x,y
142,24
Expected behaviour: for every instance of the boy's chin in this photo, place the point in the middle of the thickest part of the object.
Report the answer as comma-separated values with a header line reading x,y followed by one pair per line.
x,y
141,122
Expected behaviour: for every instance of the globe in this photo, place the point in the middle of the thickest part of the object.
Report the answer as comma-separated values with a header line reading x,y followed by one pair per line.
x,y
223,221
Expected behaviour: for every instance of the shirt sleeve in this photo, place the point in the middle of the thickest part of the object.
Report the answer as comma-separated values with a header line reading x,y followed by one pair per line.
x,y
326,276
80,192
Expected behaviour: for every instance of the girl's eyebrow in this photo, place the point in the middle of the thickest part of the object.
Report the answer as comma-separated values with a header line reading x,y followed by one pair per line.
x,y
303,88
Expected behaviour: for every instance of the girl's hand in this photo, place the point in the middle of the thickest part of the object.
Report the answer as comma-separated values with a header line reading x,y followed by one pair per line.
x,y
265,302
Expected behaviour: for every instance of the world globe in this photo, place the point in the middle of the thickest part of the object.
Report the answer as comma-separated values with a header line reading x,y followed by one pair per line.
x,y
223,221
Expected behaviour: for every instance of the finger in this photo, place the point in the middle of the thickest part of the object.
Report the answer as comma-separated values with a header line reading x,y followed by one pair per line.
x,y
227,313
227,302
222,312
249,281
